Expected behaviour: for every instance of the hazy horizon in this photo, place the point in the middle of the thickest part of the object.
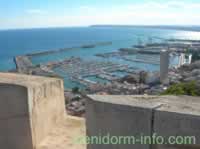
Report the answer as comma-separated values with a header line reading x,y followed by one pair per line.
x,y
63,13
101,25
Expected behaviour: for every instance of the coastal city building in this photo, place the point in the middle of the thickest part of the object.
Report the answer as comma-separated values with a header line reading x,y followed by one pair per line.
x,y
164,66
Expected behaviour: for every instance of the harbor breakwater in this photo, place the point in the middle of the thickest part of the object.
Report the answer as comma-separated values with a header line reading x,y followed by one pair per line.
x,y
65,49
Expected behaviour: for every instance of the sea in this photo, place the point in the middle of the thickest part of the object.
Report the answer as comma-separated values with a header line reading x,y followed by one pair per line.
x,y
23,41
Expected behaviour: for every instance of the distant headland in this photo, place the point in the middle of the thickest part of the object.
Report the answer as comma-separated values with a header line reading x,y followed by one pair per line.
x,y
195,28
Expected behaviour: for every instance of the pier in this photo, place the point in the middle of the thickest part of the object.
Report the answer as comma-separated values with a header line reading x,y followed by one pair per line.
x,y
141,61
41,53
23,63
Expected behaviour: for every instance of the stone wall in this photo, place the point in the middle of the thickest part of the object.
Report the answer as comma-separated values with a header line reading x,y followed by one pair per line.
x,y
30,108
142,116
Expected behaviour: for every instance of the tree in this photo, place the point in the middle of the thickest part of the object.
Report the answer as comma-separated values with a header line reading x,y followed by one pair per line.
x,y
75,89
195,56
143,76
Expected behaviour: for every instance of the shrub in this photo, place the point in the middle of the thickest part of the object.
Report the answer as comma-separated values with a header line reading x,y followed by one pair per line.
x,y
75,89
195,55
189,88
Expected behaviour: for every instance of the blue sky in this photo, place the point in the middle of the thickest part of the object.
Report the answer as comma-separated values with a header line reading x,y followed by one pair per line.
x,y
55,13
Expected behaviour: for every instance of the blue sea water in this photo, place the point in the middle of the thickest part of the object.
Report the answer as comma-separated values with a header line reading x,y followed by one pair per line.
x,y
23,41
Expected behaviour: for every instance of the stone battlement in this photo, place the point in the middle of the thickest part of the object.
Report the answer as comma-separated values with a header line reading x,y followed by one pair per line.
x,y
32,108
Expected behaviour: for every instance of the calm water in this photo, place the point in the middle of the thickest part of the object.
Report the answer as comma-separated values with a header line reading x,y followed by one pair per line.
x,y
18,42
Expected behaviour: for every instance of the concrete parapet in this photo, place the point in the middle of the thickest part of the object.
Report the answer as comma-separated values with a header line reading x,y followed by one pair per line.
x,y
143,115
30,108
180,119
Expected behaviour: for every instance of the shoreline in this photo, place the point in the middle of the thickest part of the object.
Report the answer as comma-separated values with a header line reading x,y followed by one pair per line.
x,y
143,53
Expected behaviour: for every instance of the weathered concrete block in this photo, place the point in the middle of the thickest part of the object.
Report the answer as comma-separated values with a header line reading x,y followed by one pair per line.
x,y
179,119
30,108
13,100
15,133
118,116
15,129
163,116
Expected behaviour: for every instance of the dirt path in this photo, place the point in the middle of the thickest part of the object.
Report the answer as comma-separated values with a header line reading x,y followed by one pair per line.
x,y
64,135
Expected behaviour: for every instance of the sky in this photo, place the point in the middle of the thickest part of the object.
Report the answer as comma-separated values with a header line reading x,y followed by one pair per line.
x,y
61,13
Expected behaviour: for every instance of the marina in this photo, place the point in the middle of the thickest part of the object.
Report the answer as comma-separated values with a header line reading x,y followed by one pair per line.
x,y
83,73
89,72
